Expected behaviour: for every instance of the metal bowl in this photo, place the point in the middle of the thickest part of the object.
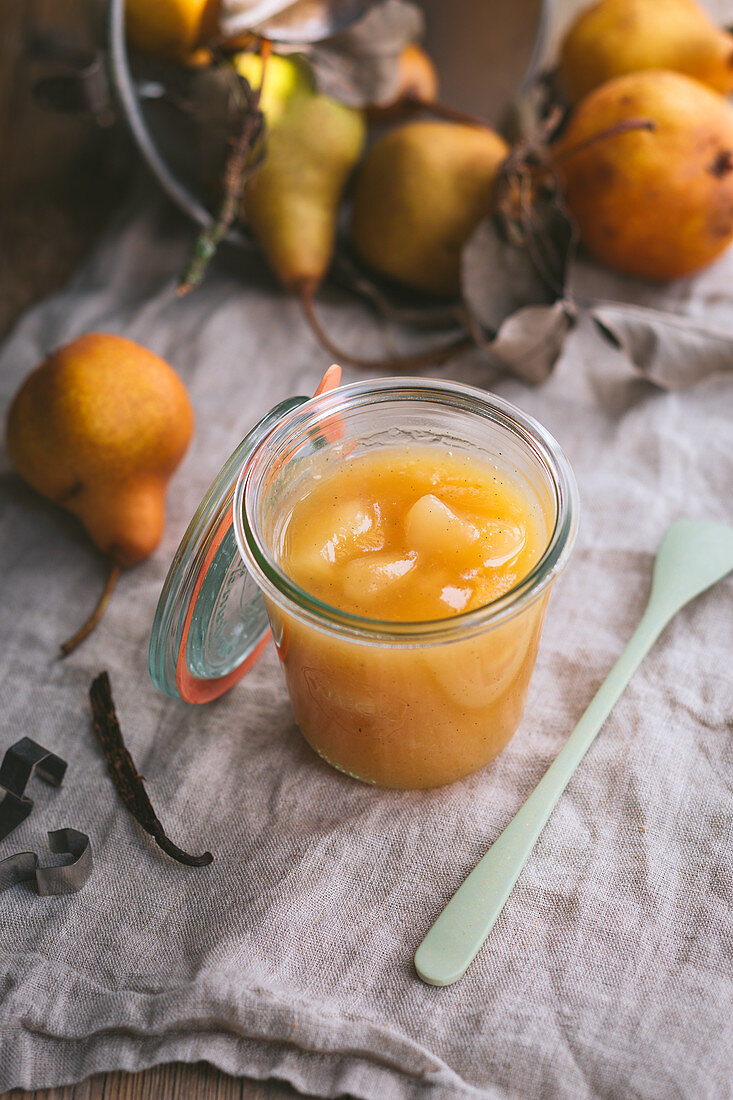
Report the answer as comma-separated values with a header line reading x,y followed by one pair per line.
x,y
158,132
163,135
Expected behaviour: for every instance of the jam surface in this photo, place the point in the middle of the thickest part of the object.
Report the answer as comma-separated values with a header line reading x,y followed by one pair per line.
x,y
412,534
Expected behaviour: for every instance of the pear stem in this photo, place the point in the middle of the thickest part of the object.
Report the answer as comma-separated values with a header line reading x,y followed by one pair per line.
x,y
442,110
346,273
427,358
236,171
624,127
113,575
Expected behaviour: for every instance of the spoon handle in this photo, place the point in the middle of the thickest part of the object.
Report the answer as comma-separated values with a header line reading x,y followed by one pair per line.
x,y
460,930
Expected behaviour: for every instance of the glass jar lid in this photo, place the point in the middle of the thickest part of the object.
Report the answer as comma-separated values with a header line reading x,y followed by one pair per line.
x,y
211,623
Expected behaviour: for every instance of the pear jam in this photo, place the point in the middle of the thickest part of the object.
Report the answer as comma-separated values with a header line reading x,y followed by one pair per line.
x,y
407,535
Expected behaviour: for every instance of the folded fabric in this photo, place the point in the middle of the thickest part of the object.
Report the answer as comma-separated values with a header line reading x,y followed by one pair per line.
x,y
290,956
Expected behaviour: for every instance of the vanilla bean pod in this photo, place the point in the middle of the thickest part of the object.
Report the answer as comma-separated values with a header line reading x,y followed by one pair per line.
x,y
124,774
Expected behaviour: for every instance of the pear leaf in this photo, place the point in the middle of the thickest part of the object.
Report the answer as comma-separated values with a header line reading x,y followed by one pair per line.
x,y
293,21
360,66
498,278
670,351
538,107
529,341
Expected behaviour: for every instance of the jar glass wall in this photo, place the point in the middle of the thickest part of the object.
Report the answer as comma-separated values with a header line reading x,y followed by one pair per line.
x,y
404,704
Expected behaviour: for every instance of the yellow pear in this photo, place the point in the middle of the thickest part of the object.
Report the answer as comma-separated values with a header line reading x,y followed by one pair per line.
x,y
656,203
615,37
171,28
420,192
312,143
98,428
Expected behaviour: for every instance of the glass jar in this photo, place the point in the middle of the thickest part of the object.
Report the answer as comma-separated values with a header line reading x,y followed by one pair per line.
x,y
401,704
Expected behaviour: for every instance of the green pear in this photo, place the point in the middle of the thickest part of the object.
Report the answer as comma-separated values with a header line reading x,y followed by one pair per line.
x,y
419,194
312,143
615,37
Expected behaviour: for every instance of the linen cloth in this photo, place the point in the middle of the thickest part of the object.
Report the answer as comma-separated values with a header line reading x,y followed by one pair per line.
x,y
610,971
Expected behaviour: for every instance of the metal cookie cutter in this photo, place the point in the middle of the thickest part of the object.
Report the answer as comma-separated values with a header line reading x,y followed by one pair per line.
x,y
66,879
19,763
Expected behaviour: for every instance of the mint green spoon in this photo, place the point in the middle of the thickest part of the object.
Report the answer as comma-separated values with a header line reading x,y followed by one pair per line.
x,y
693,555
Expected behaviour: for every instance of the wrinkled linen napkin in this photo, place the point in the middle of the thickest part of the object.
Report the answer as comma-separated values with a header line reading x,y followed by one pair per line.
x,y
290,957
610,971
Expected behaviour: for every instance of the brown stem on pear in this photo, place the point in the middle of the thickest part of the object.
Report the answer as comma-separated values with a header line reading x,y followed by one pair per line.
x,y
442,110
237,168
113,575
345,272
624,127
427,358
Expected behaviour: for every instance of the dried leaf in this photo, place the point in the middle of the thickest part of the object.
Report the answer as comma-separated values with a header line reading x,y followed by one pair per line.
x,y
498,278
529,342
243,158
294,21
360,66
537,102
670,351
514,271
530,213
521,255
215,113
516,265
519,282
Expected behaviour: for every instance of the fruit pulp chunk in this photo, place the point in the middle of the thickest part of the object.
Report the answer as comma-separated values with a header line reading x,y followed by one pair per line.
x,y
408,535
412,535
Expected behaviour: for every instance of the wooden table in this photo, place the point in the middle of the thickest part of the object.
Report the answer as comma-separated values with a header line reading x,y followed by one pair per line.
x,y
61,178
175,1082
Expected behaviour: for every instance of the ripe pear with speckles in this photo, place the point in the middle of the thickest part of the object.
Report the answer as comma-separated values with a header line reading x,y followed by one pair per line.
x,y
614,37
98,428
646,163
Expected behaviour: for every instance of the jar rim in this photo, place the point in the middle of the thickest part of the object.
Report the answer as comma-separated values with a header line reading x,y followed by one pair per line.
x,y
325,408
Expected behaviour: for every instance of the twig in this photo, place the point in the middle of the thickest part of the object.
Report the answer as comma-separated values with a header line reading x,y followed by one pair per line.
x,y
125,776
442,110
236,171
346,273
539,242
427,358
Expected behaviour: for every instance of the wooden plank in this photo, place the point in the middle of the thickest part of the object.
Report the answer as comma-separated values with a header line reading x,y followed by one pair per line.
x,y
176,1081
62,175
